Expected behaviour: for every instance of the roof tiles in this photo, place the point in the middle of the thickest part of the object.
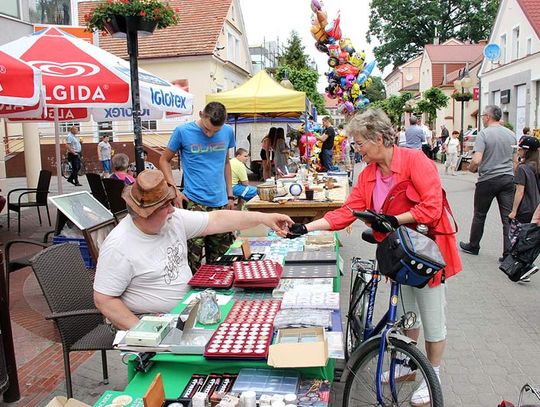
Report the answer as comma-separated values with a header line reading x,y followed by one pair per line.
x,y
196,34
453,53
531,8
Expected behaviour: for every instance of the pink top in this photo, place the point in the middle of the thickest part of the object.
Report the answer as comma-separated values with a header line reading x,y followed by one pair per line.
x,y
383,185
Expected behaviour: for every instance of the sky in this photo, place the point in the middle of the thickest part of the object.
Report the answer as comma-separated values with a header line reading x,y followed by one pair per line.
x,y
273,19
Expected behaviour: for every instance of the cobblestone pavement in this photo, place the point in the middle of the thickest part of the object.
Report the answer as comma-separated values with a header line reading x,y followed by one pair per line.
x,y
493,324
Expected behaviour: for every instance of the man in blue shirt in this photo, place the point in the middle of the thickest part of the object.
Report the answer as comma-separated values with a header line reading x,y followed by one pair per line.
x,y
73,145
203,147
414,135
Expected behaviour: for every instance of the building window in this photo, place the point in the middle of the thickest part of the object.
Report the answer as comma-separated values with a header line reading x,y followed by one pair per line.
x,y
233,48
149,125
50,11
105,129
515,43
503,49
66,126
529,46
10,8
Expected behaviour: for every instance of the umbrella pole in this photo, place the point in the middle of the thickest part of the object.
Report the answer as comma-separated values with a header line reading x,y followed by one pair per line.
x,y
133,51
57,151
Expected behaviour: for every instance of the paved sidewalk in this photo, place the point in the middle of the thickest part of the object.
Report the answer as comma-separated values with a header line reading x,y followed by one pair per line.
x,y
493,324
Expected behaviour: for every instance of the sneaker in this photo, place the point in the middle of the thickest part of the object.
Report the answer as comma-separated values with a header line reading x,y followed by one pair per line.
x,y
526,277
467,248
401,374
421,396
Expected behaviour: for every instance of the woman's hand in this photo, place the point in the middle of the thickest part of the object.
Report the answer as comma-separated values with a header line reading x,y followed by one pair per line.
x,y
512,215
180,197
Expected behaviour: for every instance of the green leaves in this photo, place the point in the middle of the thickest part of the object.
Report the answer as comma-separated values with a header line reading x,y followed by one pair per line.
x,y
404,27
432,100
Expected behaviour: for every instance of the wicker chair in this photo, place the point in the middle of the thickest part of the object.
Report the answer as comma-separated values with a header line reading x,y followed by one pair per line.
x,y
41,193
67,287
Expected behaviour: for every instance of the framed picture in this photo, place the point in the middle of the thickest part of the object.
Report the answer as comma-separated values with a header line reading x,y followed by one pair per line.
x,y
82,209
96,235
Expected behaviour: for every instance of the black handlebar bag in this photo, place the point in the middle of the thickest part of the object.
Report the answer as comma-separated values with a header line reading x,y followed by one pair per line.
x,y
409,257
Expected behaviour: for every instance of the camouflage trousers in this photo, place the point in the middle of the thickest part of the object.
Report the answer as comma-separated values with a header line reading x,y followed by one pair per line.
x,y
211,246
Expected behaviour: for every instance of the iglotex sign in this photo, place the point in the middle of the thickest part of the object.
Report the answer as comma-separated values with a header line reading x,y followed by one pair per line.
x,y
168,99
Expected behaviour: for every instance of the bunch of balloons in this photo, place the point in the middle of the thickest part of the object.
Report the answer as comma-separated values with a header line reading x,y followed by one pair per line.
x,y
310,146
349,75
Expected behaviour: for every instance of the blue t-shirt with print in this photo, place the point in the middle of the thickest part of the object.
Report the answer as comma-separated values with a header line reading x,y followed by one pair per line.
x,y
203,162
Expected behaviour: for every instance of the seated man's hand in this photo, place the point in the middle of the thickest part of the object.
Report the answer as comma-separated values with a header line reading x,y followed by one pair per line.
x,y
385,223
296,230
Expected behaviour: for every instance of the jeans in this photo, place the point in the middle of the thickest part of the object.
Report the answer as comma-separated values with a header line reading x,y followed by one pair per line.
x,y
326,157
75,161
501,188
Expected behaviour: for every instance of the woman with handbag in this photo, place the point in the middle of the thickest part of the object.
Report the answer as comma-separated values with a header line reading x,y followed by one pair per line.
x,y
404,185
527,194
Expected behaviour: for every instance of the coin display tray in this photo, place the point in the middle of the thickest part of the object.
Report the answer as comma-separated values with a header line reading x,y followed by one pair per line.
x,y
240,294
315,270
253,311
263,274
311,284
215,276
309,299
310,257
240,340
269,381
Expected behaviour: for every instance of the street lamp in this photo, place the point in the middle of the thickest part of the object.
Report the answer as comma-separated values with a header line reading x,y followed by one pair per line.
x,y
463,83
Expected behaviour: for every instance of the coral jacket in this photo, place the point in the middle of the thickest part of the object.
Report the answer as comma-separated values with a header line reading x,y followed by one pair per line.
x,y
407,164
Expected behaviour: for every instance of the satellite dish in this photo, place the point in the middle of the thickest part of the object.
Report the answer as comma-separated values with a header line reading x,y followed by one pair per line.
x,y
492,52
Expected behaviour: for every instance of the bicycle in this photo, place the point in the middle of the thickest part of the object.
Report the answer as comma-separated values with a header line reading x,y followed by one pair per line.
x,y
376,353
65,168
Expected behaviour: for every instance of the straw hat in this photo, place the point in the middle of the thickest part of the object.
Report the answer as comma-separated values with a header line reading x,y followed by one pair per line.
x,y
149,193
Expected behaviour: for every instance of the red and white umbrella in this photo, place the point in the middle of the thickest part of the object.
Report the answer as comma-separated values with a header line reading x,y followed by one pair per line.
x,y
81,79
20,83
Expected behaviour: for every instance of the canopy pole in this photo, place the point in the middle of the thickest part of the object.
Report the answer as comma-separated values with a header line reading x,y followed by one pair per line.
x,y
133,51
57,151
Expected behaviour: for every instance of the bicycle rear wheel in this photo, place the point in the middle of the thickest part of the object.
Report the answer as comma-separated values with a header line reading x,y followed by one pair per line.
x,y
360,389
65,168
357,315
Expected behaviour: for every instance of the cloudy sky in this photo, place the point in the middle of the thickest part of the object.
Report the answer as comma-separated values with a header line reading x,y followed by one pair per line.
x,y
273,19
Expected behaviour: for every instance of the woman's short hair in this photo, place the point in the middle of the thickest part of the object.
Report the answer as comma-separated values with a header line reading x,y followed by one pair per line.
x,y
120,162
370,124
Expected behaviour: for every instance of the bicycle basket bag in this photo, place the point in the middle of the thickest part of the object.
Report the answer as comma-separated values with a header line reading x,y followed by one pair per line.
x,y
409,257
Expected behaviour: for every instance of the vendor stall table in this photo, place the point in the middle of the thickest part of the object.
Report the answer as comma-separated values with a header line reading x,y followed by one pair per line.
x,y
176,369
302,210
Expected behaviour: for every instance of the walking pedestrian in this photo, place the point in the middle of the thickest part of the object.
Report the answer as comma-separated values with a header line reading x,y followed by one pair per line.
x,y
203,146
104,151
492,159
451,147
414,135
74,148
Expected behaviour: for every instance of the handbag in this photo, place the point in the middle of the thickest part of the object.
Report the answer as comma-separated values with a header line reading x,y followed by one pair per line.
x,y
409,257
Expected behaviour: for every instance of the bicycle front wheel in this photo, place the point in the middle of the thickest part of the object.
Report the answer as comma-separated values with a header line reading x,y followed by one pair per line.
x,y
360,388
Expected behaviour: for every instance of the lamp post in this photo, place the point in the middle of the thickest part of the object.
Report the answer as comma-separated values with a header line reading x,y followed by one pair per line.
x,y
463,83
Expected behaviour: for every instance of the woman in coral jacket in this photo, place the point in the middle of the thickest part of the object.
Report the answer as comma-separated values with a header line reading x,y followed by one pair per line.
x,y
389,165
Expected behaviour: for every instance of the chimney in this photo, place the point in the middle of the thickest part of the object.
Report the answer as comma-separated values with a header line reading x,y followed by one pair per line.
x,y
483,42
436,40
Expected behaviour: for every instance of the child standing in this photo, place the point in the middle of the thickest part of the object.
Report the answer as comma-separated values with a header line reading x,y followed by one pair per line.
x,y
450,147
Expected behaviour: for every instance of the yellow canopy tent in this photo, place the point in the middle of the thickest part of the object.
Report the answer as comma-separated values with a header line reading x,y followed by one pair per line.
x,y
262,96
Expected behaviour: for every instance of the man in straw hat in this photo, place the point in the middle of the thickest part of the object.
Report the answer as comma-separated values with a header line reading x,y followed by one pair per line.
x,y
143,265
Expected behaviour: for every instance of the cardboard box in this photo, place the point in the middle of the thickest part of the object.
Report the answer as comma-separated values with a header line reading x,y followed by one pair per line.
x,y
61,401
299,347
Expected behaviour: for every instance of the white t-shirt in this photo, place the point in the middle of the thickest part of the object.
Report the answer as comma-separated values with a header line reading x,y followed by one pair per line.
x,y
148,272
452,145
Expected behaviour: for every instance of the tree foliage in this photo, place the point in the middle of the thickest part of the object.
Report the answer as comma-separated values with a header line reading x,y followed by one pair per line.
x,y
432,100
376,90
393,106
294,64
404,27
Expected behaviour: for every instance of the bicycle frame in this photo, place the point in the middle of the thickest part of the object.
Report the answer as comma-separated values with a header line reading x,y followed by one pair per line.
x,y
384,327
